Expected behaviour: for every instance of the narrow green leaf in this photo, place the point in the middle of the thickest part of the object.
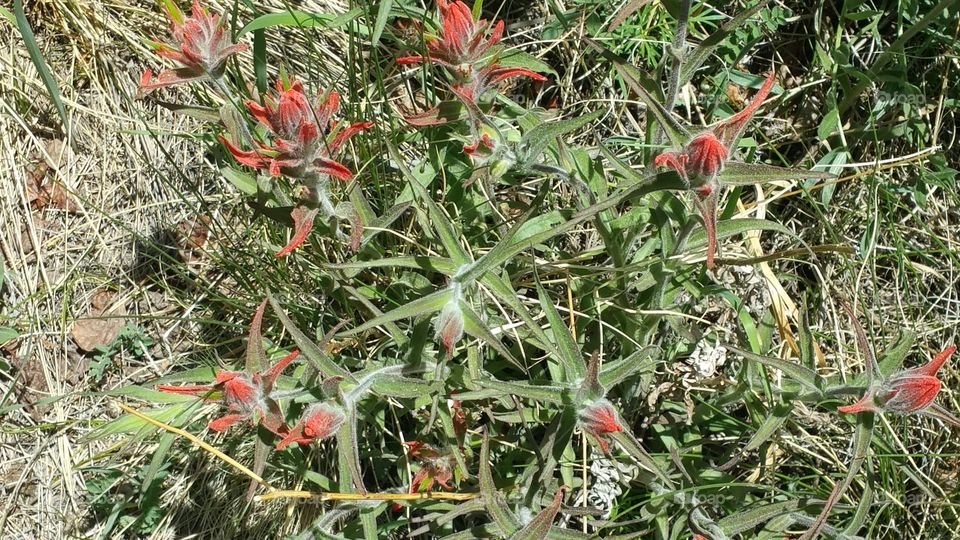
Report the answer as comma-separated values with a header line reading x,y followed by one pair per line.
x,y
475,327
8,334
662,181
309,349
303,19
260,60
678,135
378,224
246,183
733,227
405,387
392,328
129,423
643,360
148,394
520,59
740,173
544,393
503,290
632,446
800,374
539,527
861,445
441,265
349,460
770,426
570,355
492,500
632,176
749,519
892,359
421,306
383,13
30,42
806,338
6,14
437,219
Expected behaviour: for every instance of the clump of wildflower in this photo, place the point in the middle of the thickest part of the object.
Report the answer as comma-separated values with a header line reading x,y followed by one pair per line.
x,y
202,47
908,391
463,48
598,419
319,421
701,160
463,39
305,141
246,396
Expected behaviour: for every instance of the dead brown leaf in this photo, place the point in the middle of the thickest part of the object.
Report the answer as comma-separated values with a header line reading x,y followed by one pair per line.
x,y
192,235
100,325
43,189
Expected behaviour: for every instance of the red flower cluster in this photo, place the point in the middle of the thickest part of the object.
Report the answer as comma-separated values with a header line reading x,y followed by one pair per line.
x,y
305,139
246,397
449,325
462,40
702,159
202,48
304,135
320,421
249,397
598,419
435,467
909,391
463,47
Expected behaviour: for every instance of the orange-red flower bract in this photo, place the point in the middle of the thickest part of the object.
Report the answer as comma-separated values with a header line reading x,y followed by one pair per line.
x,y
203,46
320,421
905,392
246,396
599,418
305,136
435,467
463,48
703,157
462,41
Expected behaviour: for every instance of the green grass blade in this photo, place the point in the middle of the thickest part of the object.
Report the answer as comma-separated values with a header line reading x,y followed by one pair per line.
x,y
30,42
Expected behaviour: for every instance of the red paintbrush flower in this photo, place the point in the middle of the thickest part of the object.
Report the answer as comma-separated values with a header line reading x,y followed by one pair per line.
x,y
304,135
449,325
245,396
203,46
598,419
702,159
488,77
462,41
320,421
463,48
435,467
305,139
908,391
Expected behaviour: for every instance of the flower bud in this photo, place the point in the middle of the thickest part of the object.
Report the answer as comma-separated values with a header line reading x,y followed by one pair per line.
x,y
449,325
705,156
320,421
905,392
599,418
